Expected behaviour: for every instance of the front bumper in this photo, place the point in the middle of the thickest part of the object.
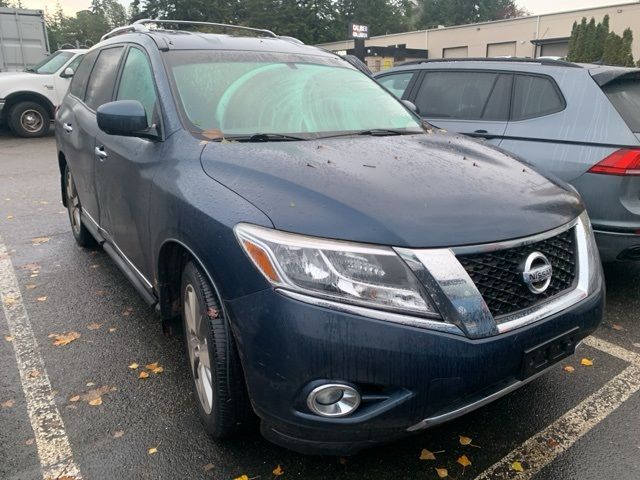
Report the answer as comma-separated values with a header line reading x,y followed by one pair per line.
x,y
406,374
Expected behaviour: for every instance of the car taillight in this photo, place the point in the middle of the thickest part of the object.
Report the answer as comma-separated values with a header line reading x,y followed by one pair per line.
x,y
625,161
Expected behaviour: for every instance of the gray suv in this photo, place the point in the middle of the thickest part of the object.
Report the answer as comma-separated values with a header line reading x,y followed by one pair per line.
x,y
578,122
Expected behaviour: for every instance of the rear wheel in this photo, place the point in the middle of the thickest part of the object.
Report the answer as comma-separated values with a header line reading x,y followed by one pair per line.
x,y
29,119
80,233
213,359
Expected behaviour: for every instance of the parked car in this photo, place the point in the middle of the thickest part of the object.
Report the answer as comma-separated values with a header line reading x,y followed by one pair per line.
x,y
342,272
578,122
28,99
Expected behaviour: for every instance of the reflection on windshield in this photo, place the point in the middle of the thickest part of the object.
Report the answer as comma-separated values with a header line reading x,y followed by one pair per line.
x,y
51,64
295,95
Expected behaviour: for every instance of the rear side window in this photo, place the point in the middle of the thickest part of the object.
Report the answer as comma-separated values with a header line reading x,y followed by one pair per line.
x,y
103,78
465,95
535,96
396,83
624,94
79,81
136,82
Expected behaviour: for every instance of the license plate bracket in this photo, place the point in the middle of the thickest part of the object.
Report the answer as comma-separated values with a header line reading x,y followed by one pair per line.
x,y
541,357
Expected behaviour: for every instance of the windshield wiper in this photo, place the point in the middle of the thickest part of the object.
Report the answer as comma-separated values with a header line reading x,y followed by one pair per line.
x,y
261,137
375,132
30,70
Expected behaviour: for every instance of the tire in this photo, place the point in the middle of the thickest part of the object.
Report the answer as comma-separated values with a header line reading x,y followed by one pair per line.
x,y
29,120
80,233
220,391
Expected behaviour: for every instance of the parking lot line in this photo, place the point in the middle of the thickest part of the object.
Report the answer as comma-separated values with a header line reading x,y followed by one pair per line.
x,y
54,450
541,449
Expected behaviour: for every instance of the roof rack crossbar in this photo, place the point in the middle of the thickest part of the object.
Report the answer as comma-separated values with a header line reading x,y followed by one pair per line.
x,y
147,21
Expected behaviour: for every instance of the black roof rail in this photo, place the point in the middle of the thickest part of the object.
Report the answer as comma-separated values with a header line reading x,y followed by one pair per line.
x,y
143,25
540,61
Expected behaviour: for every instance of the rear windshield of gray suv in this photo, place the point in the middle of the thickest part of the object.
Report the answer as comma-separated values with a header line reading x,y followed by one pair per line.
x,y
624,94
245,93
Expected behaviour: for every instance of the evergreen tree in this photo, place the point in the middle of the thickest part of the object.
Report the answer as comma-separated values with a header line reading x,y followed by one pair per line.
x,y
581,49
571,54
590,48
602,30
459,12
626,55
612,48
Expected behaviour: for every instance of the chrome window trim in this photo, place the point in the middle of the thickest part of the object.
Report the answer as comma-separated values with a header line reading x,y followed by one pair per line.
x,y
384,315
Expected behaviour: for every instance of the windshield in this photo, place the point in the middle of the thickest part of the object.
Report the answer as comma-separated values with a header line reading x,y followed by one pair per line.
x,y
52,63
226,94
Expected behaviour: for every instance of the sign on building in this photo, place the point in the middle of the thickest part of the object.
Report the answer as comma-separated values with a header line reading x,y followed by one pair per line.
x,y
359,31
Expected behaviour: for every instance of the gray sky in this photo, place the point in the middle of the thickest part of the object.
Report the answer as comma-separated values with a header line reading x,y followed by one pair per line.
x,y
534,6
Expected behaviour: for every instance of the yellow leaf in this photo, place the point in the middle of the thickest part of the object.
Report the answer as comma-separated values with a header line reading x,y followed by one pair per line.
x,y
9,301
133,366
242,477
442,472
112,329
427,455
467,441
39,240
615,326
118,433
9,217
152,451
8,338
30,286
94,326
157,370
151,366
95,402
517,466
569,369
586,362
143,375
62,339
8,404
278,471
464,461
75,398
42,299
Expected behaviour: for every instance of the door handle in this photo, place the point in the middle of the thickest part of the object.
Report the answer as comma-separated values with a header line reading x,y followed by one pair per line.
x,y
67,127
100,153
480,131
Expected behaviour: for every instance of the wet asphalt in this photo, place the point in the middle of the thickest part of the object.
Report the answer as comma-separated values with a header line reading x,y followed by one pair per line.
x,y
86,293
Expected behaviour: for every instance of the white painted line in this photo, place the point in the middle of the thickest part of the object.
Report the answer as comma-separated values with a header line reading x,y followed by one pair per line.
x,y
54,450
545,446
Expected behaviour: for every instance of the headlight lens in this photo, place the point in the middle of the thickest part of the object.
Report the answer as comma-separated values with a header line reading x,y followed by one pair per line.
x,y
342,271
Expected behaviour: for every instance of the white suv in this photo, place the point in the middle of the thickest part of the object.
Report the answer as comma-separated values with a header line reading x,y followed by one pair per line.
x,y
28,99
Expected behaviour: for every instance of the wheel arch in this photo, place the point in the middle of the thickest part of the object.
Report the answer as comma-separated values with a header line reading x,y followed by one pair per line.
x,y
27,96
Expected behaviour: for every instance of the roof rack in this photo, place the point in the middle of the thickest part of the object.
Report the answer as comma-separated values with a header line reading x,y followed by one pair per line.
x,y
141,26
547,62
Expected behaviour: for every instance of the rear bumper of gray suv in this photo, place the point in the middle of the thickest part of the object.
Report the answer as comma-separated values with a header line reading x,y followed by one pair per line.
x,y
617,246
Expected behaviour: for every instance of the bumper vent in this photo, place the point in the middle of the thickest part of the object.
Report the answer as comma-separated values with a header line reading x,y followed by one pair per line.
x,y
498,274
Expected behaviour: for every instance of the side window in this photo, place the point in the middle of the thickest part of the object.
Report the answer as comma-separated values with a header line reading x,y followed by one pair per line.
x,y
136,82
73,64
396,83
464,95
103,78
79,81
534,97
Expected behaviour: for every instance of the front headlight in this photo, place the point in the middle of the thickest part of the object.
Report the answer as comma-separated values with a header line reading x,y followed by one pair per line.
x,y
369,276
589,266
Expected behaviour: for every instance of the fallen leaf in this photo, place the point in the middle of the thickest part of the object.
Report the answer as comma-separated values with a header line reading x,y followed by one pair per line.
x,y
10,300
8,338
63,339
42,299
8,403
152,451
30,286
208,467
112,329
242,477
33,374
586,362
30,266
569,369
442,472
464,461
467,441
39,240
143,375
90,384
158,370
552,442
29,441
118,433
95,265
427,455
127,311
278,471
151,366
133,366
75,398
101,293
95,402
517,466
94,326
9,217
615,326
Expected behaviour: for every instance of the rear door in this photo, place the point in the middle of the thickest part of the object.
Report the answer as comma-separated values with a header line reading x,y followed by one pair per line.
x,y
475,103
123,170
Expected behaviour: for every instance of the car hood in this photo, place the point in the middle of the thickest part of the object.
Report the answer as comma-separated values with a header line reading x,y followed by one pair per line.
x,y
15,77
428,190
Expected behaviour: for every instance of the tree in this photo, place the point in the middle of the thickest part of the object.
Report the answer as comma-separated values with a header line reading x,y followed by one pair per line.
x,y
612,48
602,31
571,54
626,55
459,12
590,53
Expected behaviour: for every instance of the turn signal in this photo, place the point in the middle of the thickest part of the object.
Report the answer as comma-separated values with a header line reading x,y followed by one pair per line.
x,y
621,162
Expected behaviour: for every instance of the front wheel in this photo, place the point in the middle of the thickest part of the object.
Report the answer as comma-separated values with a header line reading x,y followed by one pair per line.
x,y
213,359
80,233
29,119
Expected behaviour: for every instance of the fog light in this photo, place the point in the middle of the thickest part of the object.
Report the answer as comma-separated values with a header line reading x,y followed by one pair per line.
x,y
333,400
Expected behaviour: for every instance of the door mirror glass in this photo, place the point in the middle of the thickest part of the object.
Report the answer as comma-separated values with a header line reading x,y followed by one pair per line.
x,y
124,117
68,73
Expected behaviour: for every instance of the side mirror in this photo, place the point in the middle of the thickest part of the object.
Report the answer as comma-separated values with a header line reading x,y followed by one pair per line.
x,y
411,106
68,73
124,117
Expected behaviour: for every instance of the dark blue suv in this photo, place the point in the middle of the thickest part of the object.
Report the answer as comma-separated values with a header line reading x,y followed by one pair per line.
x,y
341,269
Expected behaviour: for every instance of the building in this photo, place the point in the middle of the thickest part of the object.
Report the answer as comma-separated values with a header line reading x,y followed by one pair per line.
x,y
533,36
